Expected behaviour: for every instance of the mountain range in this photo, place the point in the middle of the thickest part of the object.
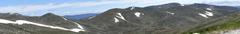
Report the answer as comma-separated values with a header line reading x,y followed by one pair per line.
x,y
171,18
80,16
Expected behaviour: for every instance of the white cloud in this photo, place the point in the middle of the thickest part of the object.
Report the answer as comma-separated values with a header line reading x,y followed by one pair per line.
x,y
138,3
29,8
158,2
226,3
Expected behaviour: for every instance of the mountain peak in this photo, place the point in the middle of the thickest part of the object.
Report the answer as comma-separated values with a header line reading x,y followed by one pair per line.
x,y
49,14
169,5
52,16
173,4
132,8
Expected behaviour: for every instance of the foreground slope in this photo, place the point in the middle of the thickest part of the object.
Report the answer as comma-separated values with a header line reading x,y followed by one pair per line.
x,y
229,25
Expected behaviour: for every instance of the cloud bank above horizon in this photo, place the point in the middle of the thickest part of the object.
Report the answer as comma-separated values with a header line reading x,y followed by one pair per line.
x,y
73,7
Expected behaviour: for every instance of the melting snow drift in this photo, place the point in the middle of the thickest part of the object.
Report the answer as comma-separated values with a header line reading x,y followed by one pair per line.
x,y
196,33
170,13
119,15
116,20
206,14
203,15
132,8
209,13
137,14
21,22
209,9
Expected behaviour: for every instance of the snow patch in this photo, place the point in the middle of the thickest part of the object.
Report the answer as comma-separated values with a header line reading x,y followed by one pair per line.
x,y
116,20
76,30
206,14
119,15
78,25
170,13
209,13
91,17
209,9
137,14
182,4
6,21
203,15
196,33
132,8
21,22
64,18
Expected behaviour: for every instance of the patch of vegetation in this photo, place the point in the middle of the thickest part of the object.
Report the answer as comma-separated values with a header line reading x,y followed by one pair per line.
x,y
229,25
230,22
233,24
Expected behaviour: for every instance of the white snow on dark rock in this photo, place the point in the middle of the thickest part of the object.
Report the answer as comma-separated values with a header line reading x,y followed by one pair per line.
x,y
64,18
203,15
119,15
206,14
78,25
209,13
170,13
116,20
209,9
21,22
132,8
137,14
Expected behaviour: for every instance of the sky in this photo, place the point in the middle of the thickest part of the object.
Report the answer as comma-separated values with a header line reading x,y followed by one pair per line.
x,y
76,7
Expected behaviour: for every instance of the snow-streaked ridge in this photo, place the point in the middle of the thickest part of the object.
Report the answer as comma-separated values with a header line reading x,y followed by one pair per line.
x,y
21,22
64,18
170,13
203,15
209,13
119,15
206,14
79,26
116,20
138,14
132,8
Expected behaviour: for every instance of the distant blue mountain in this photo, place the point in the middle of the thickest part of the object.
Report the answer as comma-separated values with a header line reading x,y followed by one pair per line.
x,y
80,16
238,6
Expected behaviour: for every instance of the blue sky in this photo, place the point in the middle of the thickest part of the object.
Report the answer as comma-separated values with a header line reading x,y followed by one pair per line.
x,y
74,7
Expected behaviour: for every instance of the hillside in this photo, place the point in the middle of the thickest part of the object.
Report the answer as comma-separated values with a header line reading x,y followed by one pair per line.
x,y
171,18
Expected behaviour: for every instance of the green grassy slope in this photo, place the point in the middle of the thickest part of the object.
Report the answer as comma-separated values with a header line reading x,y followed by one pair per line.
x,y
233,22
226,26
